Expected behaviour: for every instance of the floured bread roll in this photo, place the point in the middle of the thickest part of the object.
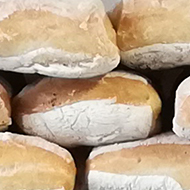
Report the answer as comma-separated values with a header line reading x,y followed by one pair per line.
x,y
153,33
161,162
5,107
33,163
116,107
60,38
181,121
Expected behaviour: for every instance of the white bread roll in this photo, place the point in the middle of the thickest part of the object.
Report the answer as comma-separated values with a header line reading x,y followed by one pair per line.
x,y
153,33
60,38
31,163
158,163
92,111
181,121
5,108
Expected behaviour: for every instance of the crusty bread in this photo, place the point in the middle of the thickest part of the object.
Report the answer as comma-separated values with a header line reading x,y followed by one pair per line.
x,y
153,33
33,163
161,162
5,108
92,111
181,121
61,38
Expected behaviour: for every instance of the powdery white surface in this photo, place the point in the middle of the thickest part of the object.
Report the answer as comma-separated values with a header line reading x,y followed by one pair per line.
x,y
66,8
107,181
126,75
57,63
158,56
182,93
167,138
93,122
38,142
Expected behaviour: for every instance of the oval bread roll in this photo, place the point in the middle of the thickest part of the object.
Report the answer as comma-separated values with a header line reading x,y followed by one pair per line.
x,y
153,33
94,111
181,121
33,163
5,108
60,38
161,162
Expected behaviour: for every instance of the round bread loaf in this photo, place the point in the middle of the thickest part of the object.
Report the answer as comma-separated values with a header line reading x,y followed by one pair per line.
x,y
60,38
33,163
153,33
112,108
161,162
181,121
5,108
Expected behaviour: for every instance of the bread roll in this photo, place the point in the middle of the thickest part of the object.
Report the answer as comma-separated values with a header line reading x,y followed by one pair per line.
x,y
29,163
153,33
5,108
181,121
92,111
161,162
60,38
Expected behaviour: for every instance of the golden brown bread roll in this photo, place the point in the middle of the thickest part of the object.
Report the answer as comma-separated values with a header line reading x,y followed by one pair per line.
x,y
153,33
161,162
5,107
33,163
94,111
60,38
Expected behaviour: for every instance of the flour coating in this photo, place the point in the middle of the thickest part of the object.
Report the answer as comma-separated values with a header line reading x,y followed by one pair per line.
x,y
107,181
57,63
93,122
158,56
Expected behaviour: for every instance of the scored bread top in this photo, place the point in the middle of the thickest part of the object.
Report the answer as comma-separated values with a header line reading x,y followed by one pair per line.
x,y
80,27
161,155
142,23
33,163
51,92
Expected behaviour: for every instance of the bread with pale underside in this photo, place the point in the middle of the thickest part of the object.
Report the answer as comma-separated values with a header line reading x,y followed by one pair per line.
x,y
160,162
34,163
94,111
59,38
181,121
153,33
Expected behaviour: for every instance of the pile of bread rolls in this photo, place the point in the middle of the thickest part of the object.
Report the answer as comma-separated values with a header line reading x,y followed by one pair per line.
x,y
94,80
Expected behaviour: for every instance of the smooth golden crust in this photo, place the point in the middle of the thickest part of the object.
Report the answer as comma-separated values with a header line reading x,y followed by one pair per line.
x,y
29,167
168,160
142,23
5,107
28,30
51,92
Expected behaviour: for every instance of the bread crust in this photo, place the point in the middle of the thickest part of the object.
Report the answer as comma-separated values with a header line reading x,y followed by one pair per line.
x,y
150,34
181,120
81,111
81,43
157,56
33,163
5,109
164,156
